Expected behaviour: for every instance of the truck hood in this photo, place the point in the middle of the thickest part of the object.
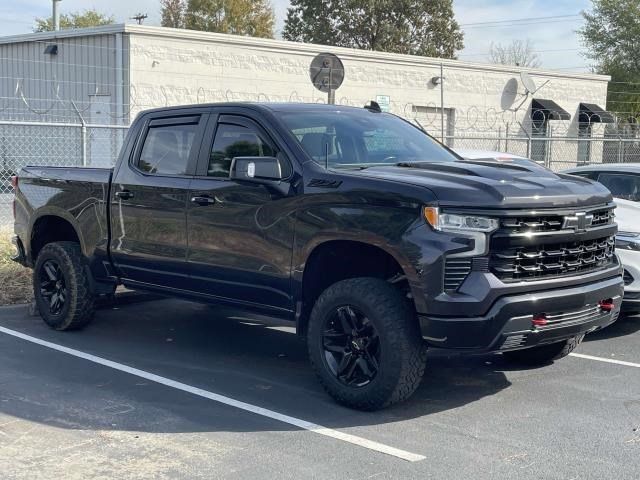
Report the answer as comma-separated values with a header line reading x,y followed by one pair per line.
x,y
496,184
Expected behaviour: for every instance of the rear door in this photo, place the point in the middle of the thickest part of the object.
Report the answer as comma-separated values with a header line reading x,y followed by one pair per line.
x,y
149,199
240,234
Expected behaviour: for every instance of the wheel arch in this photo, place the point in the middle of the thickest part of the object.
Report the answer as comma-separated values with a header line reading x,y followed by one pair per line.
x,y
330,259
52,225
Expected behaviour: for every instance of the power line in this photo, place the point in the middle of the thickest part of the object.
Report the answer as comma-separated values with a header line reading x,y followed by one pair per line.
x,y
514,25
514,20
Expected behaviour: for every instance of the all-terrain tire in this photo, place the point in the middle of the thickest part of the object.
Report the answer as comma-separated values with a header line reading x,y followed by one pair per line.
x,y
544,354
78,308
402,353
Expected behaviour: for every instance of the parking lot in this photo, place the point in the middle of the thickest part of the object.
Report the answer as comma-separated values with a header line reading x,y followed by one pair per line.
x,y
171,389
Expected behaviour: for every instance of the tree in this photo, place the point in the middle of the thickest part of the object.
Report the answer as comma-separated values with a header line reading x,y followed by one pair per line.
x,y
254,18
172,13
519,53
416,27
609,33
80,19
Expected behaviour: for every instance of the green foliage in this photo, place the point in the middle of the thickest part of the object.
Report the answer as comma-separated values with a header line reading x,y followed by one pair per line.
x,y
414,27
254,18
83,19
172,13
610,34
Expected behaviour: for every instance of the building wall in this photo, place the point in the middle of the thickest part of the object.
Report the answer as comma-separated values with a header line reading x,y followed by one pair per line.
x,y
36,86
131,68
175,66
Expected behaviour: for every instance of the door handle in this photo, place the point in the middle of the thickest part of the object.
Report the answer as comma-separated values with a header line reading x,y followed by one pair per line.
x,y
124,194
203,201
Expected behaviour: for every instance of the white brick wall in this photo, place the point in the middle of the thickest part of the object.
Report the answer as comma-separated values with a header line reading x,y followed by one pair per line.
x,y
170,67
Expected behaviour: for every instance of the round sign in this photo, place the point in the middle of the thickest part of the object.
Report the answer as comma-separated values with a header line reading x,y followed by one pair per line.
x,y
326,72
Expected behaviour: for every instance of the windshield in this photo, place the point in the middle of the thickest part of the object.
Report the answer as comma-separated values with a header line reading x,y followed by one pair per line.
x,y
356,139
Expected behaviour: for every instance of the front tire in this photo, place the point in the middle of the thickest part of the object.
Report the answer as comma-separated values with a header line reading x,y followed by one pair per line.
x,y
544,354
62,287
365,344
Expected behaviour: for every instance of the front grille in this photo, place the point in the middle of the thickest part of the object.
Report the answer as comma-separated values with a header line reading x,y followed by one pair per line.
x,y
557,259
537,245
628,278
550,222
455,271
546,223
602,217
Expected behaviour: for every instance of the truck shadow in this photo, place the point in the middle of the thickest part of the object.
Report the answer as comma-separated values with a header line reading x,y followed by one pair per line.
x,y
253,359
626,325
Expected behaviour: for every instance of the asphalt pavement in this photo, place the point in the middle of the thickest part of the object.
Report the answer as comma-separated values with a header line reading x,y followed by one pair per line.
x,y
172,389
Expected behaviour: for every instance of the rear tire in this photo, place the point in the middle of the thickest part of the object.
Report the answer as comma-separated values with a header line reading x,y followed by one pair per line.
x,y
365,344
544,354
62,287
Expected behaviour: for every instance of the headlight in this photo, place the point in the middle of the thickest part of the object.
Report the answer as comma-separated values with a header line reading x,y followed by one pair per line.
x,y
453,222
628,241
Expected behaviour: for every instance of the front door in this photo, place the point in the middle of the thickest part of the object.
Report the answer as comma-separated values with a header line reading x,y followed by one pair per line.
x,y
149,198
240,234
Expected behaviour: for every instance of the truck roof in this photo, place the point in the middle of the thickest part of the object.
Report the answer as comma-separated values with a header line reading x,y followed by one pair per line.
x,y
271,106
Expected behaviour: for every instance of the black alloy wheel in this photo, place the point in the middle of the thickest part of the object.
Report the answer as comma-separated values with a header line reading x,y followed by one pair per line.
x,y
53,286
365,343
62,286
351,346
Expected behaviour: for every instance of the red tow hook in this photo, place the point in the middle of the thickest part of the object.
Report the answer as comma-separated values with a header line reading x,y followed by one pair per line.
x,y
607,305
539,320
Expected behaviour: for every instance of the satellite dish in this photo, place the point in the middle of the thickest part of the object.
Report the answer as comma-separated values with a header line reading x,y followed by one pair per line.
x,y
528,82
326,72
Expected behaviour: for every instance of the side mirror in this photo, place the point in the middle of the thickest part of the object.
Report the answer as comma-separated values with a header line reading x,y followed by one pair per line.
x,y
256,169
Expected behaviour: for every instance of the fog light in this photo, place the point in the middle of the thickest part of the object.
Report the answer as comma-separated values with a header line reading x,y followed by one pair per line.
x,y
607,305
539,320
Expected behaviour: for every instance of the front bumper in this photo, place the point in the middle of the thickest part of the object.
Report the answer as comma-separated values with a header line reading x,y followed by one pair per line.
x,y
631,262
508,324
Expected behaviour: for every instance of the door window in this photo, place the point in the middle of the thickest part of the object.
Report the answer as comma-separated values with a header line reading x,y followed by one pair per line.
x,y
167,148
622,186
235,141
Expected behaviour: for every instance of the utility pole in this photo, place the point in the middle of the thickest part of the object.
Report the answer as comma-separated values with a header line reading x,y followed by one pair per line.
x,y
56,15
139,17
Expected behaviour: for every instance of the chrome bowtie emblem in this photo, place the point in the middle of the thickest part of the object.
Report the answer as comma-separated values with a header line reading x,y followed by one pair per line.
x,y
579,221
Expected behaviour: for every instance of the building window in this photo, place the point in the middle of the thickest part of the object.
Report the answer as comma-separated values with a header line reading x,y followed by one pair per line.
x,y
584,146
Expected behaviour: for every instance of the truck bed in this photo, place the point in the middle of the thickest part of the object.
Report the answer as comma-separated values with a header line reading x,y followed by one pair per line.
x,y
78,194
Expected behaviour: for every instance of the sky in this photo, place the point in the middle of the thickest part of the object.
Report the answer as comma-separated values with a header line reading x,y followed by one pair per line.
x,y
554,39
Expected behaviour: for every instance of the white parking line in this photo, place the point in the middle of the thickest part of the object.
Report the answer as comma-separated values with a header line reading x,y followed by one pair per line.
x,y
303,424
605,360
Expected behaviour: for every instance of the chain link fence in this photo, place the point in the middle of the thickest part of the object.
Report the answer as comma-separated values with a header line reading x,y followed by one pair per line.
x,y
52,144
556,153
25,143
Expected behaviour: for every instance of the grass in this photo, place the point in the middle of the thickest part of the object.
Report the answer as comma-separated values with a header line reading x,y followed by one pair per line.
x,y
15,280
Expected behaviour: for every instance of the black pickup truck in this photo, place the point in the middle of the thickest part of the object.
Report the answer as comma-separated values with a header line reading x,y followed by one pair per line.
x,y
372,237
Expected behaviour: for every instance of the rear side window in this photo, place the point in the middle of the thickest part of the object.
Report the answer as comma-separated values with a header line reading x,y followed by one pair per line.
x,y
622,186
235,141
167,148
